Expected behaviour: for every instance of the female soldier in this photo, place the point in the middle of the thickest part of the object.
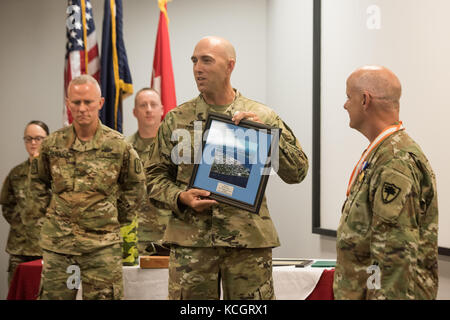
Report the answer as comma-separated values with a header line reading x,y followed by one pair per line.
x,y
19,209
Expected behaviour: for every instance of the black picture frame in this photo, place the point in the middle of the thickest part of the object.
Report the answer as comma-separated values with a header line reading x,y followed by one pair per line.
x,y
317,80
223,173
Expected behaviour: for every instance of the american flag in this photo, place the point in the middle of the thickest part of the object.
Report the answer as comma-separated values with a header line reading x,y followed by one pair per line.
x,y
80,33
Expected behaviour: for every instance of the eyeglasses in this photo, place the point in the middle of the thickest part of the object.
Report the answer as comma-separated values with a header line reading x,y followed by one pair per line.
x,y
29,139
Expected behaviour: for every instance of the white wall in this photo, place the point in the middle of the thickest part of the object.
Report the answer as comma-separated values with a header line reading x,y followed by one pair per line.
x,y
289,93
273,39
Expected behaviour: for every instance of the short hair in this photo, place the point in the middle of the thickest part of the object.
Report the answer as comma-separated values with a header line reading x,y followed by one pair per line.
x,y
146,89
40,124
85,78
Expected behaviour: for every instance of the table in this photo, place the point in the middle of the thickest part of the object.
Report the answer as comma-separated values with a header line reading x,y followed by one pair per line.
x,y
151,284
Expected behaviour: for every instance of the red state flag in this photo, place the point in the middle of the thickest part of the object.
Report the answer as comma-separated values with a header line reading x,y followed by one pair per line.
x,y
162,73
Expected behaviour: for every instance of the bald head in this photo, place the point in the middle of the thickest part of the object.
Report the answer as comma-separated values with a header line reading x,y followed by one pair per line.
x,y
381,83
373,95
220,45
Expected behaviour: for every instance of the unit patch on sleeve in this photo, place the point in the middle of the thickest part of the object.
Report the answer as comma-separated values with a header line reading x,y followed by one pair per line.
x,y
390,192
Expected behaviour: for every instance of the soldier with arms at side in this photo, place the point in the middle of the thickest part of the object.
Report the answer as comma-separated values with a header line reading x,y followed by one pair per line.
x,y
387,236
24,213
211,242
97,184
152,221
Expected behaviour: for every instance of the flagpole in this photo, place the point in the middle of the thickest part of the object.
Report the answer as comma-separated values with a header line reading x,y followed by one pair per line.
x,y
86,50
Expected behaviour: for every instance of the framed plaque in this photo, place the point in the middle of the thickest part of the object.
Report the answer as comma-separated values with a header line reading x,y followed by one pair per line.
x,y
235,161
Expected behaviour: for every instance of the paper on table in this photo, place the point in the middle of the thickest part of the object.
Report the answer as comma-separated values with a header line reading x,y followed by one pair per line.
x,y
277,262
324,264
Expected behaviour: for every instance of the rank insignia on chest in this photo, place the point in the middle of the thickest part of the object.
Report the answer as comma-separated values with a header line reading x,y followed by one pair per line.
x,y
34,167
390,192
137,166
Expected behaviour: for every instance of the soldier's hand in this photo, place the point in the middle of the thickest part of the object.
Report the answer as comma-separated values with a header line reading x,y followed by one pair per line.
x,y
239,115
196,199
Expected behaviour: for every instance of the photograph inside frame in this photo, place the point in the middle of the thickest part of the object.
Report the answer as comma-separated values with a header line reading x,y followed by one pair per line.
x,y
234,161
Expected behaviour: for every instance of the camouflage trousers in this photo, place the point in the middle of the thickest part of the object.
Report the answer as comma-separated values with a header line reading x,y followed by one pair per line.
x,y
14,261
100,273
197,273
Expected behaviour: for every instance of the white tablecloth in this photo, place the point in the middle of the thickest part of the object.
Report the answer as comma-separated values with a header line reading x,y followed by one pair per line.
x,y
290,283
145,284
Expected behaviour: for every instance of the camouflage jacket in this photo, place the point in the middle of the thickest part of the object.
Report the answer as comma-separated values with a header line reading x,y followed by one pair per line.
x,y
22,212
97,186
152,221
221,225
387,235
142,146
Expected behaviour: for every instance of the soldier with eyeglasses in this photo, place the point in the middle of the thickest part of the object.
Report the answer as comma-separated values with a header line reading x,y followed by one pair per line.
x,y
23,212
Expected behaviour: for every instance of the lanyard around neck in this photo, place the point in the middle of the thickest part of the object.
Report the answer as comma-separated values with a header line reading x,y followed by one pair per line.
x,y
380,138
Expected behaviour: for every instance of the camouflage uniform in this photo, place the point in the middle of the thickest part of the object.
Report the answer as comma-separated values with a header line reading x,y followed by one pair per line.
x,y
24,215
390,221
221,226
97,186
246,274
152,221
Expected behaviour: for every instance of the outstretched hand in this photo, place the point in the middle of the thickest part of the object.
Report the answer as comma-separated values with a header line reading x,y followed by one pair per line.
x,y
196,199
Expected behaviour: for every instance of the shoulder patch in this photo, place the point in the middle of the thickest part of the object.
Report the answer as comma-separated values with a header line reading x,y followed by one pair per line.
x,y
390,192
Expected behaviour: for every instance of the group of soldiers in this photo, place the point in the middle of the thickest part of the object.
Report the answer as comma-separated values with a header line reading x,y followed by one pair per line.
x,y
68,189
86,196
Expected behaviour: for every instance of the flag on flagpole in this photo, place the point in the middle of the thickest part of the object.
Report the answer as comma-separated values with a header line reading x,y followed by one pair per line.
x,y
115,79
81,47
162,73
